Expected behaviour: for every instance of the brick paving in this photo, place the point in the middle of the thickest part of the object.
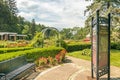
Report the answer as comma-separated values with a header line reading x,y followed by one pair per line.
x,y
75,69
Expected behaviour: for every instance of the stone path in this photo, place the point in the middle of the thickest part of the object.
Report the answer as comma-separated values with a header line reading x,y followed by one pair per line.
x,y
76,69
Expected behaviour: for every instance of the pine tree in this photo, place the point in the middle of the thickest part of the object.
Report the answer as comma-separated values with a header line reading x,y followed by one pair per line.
x,y
33,27
12,7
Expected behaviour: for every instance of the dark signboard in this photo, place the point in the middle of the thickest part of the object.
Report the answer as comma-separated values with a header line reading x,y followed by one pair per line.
x,y
103,45
100,46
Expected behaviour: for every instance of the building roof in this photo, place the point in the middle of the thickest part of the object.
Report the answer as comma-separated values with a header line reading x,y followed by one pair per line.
x,y
21,35
11,33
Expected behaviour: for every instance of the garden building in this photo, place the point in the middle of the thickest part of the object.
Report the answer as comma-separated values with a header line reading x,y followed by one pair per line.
x,y
11,36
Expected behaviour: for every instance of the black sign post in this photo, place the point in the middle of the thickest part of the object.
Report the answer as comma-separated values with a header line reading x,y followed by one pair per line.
x,y
100,31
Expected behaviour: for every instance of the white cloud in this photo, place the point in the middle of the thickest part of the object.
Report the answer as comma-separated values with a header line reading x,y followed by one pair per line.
x,y
56,13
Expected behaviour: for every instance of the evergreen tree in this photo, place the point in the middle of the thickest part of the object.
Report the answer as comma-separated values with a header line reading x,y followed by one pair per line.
x,y
105,6
33,27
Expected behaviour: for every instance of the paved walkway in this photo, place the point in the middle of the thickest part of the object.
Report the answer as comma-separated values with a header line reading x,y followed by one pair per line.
x,y
76,69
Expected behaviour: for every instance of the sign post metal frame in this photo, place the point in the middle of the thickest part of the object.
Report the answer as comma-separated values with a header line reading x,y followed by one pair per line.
x,y
95,66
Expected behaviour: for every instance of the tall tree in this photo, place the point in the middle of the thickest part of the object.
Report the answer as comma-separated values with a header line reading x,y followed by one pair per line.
x,y
12,6
33,27
8,20
105,6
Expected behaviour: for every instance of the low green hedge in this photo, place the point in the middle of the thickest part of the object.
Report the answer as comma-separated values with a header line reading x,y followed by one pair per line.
x,y
6,50
115,46
81,46
33,53
1,46
77,47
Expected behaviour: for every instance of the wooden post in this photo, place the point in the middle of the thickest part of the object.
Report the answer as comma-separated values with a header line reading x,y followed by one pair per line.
x,y
15,37
6,37
1,37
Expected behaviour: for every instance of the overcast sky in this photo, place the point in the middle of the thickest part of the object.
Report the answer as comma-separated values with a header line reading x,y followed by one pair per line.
x,y
54,13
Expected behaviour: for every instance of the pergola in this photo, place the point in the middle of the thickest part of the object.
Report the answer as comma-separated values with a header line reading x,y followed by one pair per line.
x,y
7,35
11,36
21,36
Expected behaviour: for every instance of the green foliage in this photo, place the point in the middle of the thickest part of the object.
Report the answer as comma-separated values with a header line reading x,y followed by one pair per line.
x,y
8,18
115,46
59,58
37,40
77,47
33,53
6,50
106,7
2,46
75,33
63,44
86,52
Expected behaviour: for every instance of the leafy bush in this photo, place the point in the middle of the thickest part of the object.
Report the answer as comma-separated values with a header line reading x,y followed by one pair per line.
x,y
33,53
77,47
37,40
115,46
59,58
2,46
86,52
63,44
5,50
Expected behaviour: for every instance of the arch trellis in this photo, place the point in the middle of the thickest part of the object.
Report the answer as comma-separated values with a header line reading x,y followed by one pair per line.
x,y
47,30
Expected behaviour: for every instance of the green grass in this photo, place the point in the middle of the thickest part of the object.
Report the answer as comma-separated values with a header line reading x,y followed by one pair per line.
x,y
115,57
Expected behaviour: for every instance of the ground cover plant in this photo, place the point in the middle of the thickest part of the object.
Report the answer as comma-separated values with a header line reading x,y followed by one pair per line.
x,y
115,56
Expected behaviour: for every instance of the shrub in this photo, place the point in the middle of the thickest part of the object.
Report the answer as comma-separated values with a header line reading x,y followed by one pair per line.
x,y
42,61
86,52
37,41
2,46
33,53
59,58
77,47
115,46
5,50
63,44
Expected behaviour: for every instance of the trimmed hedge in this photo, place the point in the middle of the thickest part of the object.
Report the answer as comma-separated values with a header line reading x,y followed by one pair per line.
x,y
1,46
33,53
6,50
115,46
77,47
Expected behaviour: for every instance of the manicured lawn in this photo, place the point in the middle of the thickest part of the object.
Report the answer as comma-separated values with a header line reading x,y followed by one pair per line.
x,y
115,56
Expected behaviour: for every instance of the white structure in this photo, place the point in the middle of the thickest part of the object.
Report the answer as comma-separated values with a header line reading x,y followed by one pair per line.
x,y
10,36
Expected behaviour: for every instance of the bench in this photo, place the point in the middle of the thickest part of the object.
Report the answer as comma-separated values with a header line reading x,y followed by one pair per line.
x,y
16,68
